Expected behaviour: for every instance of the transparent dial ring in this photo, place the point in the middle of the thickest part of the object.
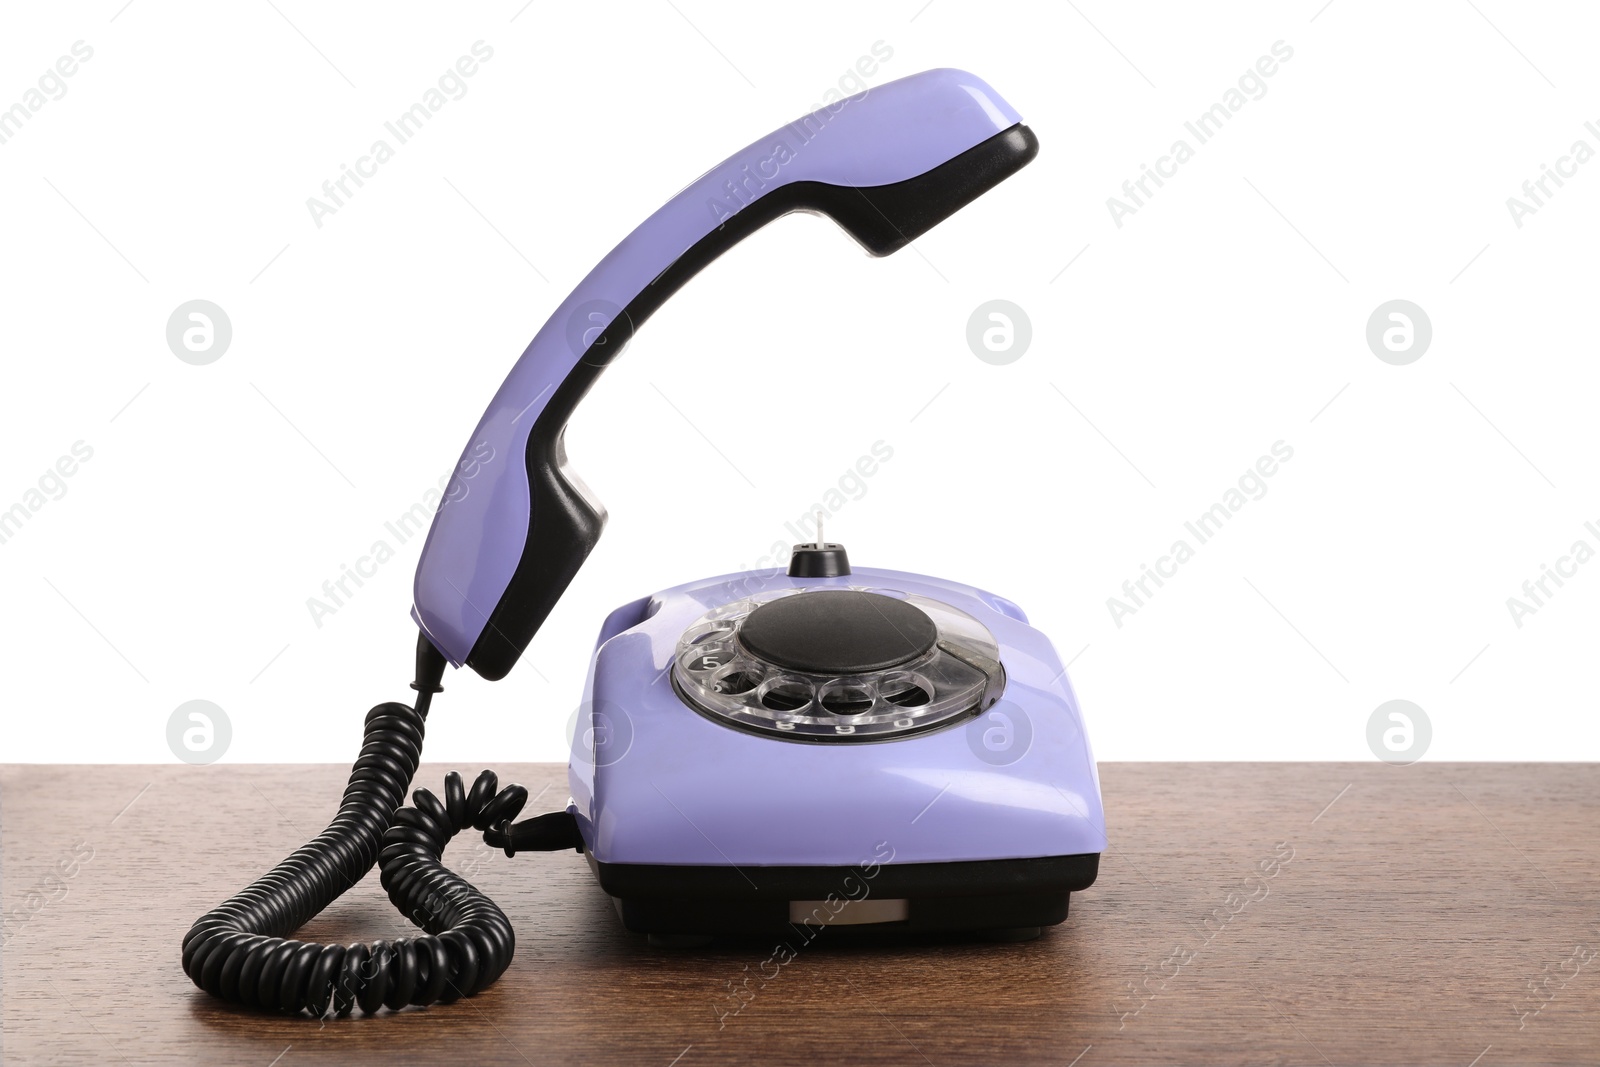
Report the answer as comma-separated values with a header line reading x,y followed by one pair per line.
x,y
957,678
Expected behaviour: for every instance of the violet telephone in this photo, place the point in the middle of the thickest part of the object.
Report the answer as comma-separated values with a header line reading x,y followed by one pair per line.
x,y
824,746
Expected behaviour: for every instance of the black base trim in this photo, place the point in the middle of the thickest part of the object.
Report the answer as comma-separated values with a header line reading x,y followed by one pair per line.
x,y
975,895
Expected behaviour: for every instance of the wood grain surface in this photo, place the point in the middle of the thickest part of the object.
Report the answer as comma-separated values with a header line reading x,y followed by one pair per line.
x,y
1245,913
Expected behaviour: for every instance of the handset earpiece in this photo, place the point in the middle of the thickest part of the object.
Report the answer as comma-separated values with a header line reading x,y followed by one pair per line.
x,y
887,165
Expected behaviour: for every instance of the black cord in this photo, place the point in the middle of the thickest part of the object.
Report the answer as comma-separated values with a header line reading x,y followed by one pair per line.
x,y
240,951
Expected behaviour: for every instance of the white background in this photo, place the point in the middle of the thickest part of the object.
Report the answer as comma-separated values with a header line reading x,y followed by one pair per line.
x,y
1227,314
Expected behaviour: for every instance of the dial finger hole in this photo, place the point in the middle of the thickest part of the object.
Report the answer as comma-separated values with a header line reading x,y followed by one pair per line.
x,y
710,634
734,680
905,690
845,698
785,694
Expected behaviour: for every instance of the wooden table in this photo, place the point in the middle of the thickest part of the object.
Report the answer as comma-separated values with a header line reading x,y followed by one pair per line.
x,y
1440,913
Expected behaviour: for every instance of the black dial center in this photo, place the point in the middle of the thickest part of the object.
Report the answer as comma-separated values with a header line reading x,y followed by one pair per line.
x,y
837,632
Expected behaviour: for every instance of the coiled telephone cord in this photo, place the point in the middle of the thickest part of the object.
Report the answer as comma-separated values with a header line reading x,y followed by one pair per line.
x,y
241,951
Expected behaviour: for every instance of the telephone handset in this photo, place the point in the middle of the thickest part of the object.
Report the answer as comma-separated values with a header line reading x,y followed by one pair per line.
x,y
886,165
